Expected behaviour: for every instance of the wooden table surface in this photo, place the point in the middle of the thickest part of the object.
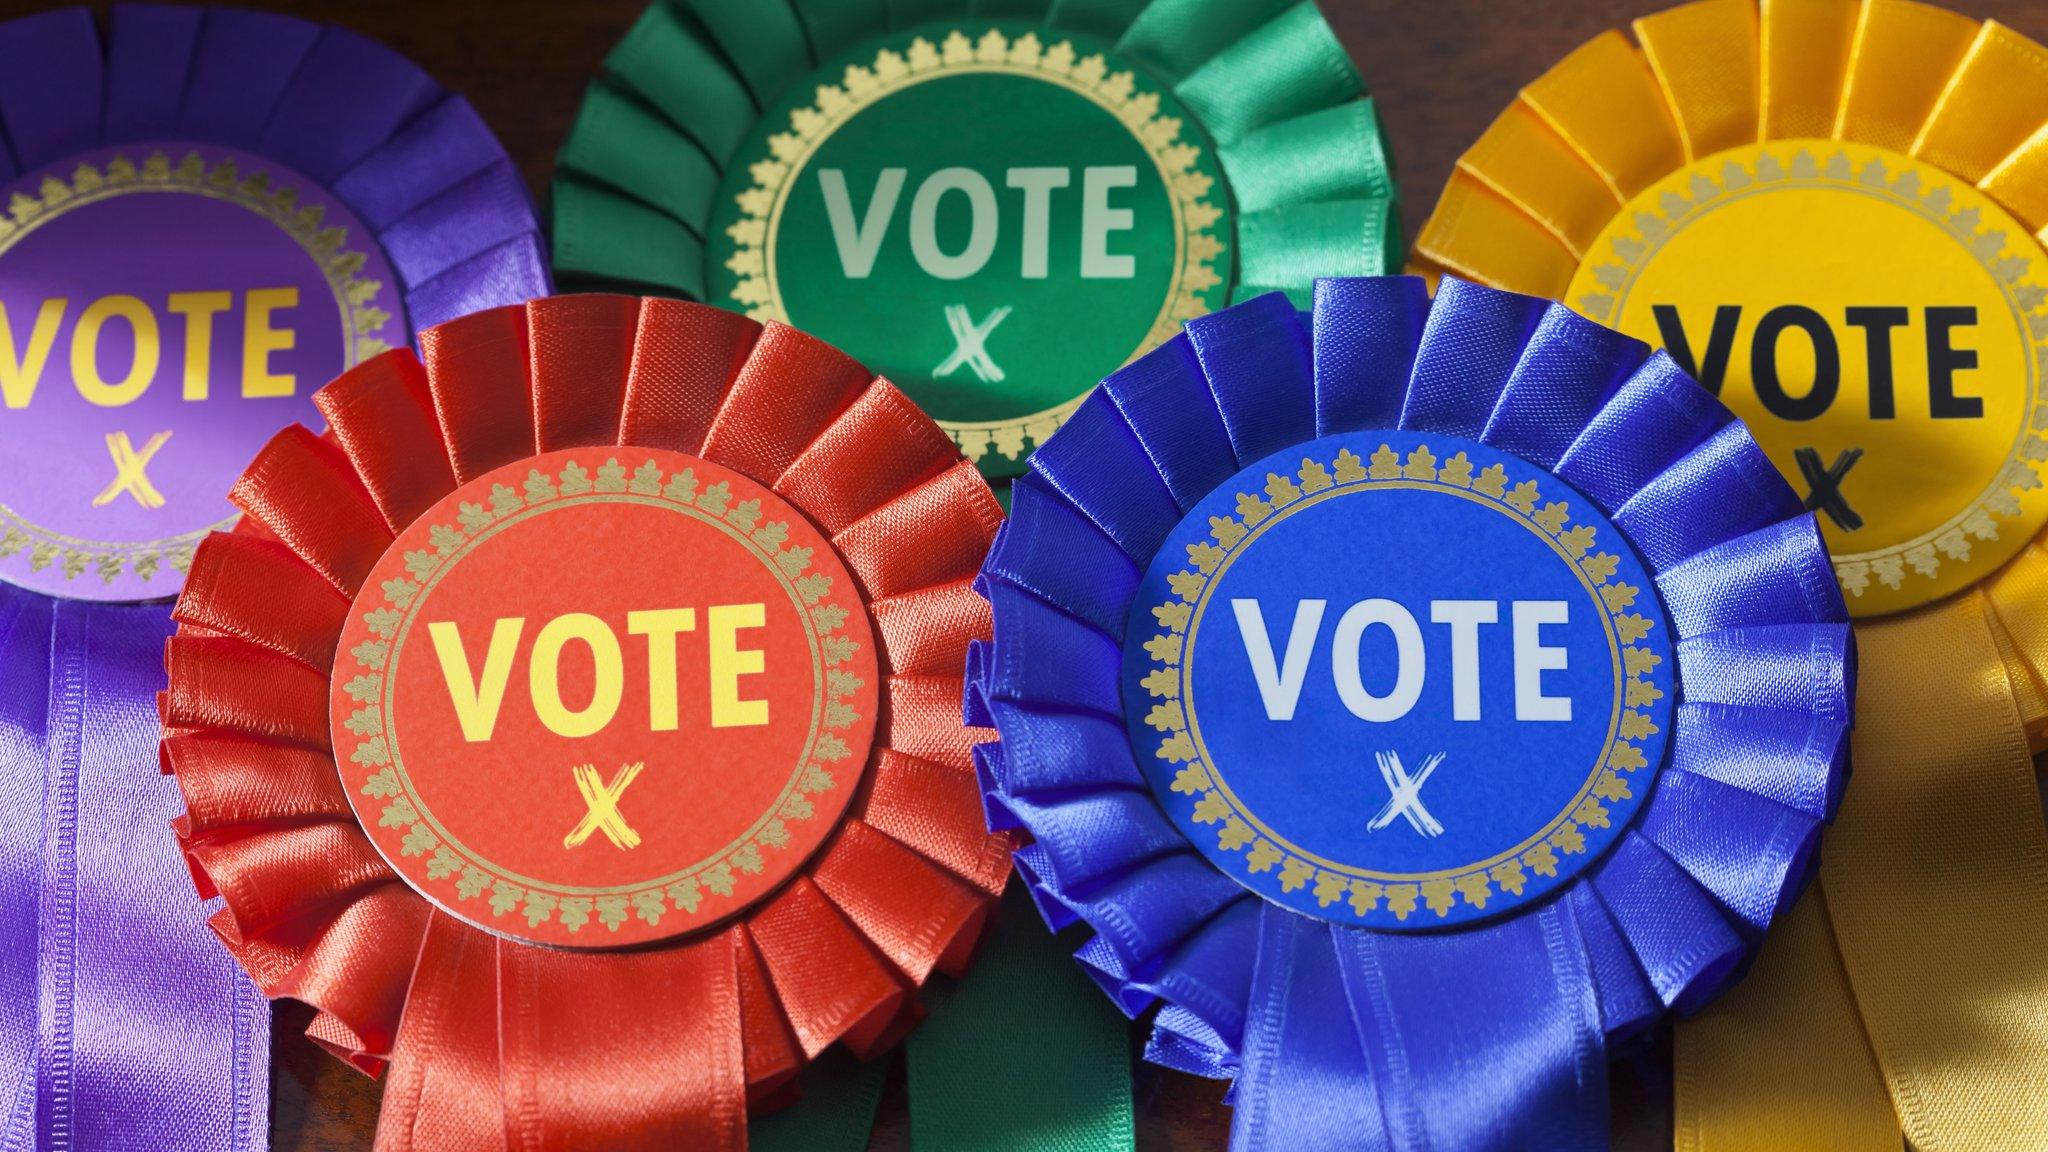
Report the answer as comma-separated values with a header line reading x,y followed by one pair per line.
x,y
1440,71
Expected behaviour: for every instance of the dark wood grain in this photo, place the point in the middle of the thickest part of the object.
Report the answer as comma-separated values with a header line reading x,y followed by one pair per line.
x,y
1440,71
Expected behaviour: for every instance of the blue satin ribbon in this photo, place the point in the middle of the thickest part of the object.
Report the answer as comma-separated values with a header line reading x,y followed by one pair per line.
x,y
123,1023
1489,1037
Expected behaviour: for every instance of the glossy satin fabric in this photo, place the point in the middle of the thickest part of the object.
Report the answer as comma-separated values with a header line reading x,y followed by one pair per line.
x,y
1915,997
1911,1002
120,1025
138,1032
1486,1038
495,1044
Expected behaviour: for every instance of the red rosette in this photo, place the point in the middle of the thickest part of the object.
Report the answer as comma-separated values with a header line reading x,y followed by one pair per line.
x,y
503,1030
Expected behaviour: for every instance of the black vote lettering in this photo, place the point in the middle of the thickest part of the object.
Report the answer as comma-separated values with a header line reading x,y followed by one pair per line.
x,y
1877,325
1944,360
1720,342
1763,363
1824,486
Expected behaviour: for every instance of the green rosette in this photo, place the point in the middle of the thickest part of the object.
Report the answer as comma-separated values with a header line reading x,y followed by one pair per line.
x,y
994,203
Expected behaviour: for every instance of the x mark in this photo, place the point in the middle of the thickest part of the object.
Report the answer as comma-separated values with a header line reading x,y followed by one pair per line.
x,y
1406,798
1825,486
970,343
602,800
131,471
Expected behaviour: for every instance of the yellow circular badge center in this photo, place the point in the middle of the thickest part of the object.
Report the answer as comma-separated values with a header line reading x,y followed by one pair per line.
x,y
1876,322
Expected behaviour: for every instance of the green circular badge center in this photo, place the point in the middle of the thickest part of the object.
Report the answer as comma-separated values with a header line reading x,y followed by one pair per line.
x,y
992,221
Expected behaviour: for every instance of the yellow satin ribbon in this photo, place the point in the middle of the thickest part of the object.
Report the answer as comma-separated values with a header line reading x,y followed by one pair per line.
x,y
1909,991
1907,994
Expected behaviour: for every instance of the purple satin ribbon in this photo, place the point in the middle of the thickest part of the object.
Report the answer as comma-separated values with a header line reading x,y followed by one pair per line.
x,y
123,1023
124,1026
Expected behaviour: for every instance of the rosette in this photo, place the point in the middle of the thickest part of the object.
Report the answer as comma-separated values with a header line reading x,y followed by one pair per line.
x,y
634,629
208,212
1414,700
993,205
1830,211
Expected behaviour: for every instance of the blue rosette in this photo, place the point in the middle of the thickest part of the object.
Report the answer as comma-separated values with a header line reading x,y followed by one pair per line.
x,y
1365,981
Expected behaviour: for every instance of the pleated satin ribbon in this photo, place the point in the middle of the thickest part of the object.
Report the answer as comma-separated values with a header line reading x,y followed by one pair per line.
x,y
1304,156
1913,994
1300,146
1908,995
123,1026
495,1044
1489,1037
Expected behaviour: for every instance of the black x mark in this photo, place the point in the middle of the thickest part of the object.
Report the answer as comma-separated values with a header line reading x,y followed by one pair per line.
x,y
1825,486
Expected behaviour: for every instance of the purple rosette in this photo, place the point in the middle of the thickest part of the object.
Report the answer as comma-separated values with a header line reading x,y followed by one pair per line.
x,y
209,214
1360,991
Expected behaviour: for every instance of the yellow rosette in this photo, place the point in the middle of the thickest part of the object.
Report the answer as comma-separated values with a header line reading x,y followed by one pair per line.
x,y
1831,212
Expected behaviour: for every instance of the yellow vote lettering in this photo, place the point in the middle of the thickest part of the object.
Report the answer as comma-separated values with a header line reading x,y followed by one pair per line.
x,y
478,699
25,356
543,680
729,662
199,309
85,358
660,628
22,369
261,337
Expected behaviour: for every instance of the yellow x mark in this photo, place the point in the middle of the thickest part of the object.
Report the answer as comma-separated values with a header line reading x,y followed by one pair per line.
x,y
603,802
131,471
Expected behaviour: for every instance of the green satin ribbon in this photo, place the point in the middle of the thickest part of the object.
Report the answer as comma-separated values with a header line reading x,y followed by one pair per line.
x,y
1275,92
836,1113
1026,1054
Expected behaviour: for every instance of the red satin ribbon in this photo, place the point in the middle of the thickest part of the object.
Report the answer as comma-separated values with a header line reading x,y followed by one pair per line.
x,y
493,1044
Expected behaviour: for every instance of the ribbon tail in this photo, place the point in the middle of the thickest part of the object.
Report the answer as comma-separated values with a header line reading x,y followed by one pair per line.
x,y
442,1091
1306,1083
1781,1061
1063,1052
836,1113
1430,1007
1937,883
24,750
150,1036
629,1051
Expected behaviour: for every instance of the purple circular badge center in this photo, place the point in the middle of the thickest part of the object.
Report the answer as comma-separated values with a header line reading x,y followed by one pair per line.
x,y
164,310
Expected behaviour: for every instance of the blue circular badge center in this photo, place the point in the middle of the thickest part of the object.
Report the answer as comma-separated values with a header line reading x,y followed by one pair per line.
x,y
1398,680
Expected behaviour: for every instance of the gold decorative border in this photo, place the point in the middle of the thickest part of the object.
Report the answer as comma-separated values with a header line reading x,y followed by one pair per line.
x,y
469,877
1196,246
327,245
2026,466
1238,830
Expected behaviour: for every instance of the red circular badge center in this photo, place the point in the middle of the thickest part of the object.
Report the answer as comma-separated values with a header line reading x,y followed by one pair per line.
x,y
602,697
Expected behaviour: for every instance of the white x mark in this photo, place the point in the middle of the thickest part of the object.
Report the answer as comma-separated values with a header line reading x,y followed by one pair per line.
x,y
970,343
1406,800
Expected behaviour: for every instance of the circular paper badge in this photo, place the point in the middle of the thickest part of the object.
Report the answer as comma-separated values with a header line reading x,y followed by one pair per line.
x,y
984,217
164,309
1399,680
593,701
1878,324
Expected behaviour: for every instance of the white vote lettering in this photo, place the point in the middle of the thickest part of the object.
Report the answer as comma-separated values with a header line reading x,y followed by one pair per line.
x,y
859,235
1280,681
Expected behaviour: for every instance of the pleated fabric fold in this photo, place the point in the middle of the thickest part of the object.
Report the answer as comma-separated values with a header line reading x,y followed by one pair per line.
x,y
1953,1061
492,1043
1299,144
1492,1036
122,1023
